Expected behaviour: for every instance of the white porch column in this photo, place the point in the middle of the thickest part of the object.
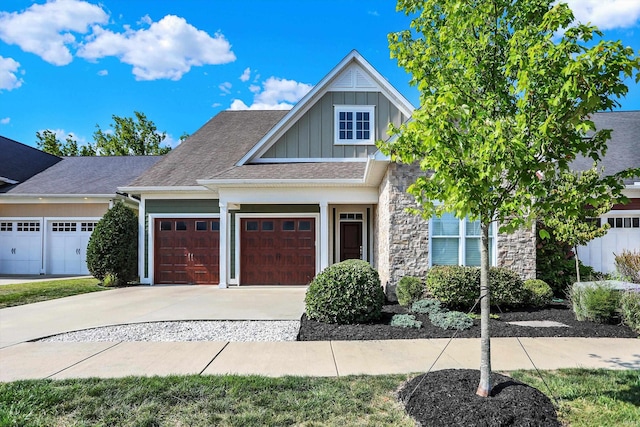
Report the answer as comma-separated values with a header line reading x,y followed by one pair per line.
x,y
142,242
324,235
223,245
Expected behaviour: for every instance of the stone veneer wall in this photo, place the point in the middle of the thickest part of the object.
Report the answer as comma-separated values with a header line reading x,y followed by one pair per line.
x,y
517,251
403,238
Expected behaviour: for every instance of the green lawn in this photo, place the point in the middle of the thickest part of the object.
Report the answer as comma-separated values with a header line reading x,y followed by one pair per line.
x,y
588,398
27,293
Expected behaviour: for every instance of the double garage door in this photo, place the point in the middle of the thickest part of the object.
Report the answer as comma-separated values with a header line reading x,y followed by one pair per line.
x,y
624,234
23,246
273,251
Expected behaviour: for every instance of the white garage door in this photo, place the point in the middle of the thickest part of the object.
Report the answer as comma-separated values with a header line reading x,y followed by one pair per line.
x,y
623,234
20,246
67,246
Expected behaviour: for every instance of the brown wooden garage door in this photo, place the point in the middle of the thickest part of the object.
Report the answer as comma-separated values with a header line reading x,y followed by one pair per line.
x,y
277,251
187,251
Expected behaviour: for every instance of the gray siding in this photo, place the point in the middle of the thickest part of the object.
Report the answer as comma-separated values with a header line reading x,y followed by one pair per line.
x,y
313,135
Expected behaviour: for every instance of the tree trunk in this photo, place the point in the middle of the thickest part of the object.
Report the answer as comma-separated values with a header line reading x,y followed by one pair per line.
x,y
484,387
575,255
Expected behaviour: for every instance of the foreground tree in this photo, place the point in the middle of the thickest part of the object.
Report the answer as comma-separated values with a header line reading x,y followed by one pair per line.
x,y
504,108
48,142
131,137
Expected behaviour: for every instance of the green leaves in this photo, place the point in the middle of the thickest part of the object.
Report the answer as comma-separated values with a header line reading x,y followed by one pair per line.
x,y
131,137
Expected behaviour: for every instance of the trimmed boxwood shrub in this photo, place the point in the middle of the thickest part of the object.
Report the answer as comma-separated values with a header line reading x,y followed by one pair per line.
x,y
113,246
457,286
538,292
347,292
409,290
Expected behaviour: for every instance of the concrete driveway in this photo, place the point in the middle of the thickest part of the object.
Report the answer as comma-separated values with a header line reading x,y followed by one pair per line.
x,y
147,304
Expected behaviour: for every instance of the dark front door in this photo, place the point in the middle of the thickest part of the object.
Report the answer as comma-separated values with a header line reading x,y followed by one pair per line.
x,y
277,251
187,251
350,240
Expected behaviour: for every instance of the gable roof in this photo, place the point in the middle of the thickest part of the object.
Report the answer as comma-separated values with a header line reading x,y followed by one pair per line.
x,y
623,149
85,176
353,72
19,162
212,150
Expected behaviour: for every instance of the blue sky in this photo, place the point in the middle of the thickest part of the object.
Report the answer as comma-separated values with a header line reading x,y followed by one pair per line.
x,y
69,65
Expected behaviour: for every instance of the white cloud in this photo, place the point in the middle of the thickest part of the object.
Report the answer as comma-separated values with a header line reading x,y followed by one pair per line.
x,y
606,14
166,50
5,121
8,78
225,88
276,94
103,72
46,29
254,88
246,75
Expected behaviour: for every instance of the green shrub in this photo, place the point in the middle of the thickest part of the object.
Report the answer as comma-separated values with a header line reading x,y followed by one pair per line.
x,y
113,246
109,280
409,290
595,302
347,292
426,306
538,292
628,265
457,286
405,321
630,308
451,320
556,264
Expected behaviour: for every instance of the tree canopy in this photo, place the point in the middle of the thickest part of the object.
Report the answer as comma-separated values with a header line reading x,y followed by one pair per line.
x,y
127,137
506,92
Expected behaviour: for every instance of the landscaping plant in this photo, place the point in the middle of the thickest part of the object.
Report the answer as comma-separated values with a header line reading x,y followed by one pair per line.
x,y
409,290
598,302
426,306
538,293
628,265
405,321
347,292
112,251
630,308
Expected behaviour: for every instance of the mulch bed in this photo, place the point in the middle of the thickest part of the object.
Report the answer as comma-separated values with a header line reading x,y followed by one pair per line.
x,y
311,330
448,397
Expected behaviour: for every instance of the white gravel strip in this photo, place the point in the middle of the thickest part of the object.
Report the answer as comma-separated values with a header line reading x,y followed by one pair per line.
x,y
225,330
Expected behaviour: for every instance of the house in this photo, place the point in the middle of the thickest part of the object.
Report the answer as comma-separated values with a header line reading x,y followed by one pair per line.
x,y
623,153
49,206
274,197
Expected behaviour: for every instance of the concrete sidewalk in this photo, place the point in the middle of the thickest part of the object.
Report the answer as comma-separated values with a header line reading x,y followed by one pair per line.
x,y
321,358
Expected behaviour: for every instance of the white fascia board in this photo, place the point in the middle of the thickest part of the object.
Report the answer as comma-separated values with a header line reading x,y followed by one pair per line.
x,y
184,195
137,190
318,90
311,160
375,170
8,180
48,198
341,195
252,183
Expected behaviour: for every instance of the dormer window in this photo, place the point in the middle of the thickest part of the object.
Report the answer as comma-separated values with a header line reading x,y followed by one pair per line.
x,y
354,124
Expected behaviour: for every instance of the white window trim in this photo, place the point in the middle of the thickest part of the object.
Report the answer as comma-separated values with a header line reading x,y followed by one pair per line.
x,y
371,109
462,235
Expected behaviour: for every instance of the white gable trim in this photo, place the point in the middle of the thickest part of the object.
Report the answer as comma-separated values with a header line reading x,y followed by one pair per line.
x,y
361,72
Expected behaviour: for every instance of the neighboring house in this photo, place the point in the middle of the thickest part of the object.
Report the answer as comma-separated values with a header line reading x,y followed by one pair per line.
x,y
623,153
274,197
50,205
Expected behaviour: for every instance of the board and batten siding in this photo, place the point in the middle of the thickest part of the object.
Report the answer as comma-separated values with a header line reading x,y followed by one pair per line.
x,y
312,136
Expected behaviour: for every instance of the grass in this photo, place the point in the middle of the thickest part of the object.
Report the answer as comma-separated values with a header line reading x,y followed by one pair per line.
x,y
588,398
27,293
591,397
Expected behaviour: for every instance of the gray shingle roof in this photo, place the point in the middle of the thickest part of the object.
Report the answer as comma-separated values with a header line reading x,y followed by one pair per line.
x,y
623,150
213,151
86,175
19,162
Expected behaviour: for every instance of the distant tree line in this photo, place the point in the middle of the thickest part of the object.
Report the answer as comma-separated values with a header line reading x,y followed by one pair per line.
x,y
129,137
